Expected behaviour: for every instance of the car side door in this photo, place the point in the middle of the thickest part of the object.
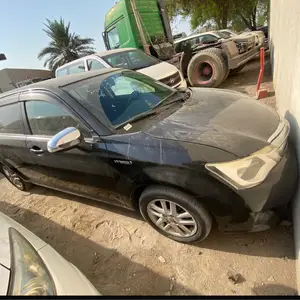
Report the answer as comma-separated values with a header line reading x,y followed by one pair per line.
x,y
84,170
13,150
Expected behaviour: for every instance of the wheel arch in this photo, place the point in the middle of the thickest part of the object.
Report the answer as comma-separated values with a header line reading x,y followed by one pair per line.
x,y
218,199
2,162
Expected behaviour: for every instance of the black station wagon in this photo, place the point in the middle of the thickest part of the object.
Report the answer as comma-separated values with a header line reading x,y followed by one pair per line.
x,y
183,158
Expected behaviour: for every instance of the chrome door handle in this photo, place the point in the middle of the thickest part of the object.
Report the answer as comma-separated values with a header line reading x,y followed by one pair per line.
x,y
36,151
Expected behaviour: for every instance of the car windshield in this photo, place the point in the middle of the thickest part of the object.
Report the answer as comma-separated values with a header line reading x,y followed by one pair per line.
x,y
222,34
121,96
227,33
133,60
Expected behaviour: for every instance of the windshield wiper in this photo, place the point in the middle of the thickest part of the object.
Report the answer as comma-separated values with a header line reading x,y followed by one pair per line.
x,y
137,117
164,101
153,111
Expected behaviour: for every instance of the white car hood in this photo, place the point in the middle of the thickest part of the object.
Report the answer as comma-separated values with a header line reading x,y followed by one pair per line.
x,y
5,223
159,71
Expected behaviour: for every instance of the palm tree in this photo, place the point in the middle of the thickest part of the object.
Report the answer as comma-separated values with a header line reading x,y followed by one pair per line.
x,y
64,45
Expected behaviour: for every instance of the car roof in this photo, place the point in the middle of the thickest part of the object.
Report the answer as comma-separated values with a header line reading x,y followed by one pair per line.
x,y
195,35
100,54
108,52
228,30
56,83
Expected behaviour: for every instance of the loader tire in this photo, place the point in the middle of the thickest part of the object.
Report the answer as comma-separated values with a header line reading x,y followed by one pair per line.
x,y
208,68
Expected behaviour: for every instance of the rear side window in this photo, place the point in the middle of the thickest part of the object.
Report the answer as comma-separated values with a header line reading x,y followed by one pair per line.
x,y
208,38
48,119
76,67
94,64
62,72
10,119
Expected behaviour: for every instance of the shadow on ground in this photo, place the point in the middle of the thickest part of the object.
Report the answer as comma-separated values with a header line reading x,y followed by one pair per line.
x,y
274,290
248,76
275,242
109,271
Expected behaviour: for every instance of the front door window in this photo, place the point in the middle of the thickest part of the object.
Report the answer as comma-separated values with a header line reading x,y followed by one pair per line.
x,y
48,119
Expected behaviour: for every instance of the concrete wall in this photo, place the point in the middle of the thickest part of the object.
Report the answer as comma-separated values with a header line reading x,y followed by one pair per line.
x,y
15,75
284,38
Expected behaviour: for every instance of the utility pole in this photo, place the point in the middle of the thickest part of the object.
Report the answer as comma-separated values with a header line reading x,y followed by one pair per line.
x,y
139,25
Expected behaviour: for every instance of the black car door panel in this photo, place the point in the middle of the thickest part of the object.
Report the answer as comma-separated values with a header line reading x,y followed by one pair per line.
x,y
84,170
13,150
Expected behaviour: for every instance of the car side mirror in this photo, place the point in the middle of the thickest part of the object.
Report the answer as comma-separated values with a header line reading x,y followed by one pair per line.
x,y
64,140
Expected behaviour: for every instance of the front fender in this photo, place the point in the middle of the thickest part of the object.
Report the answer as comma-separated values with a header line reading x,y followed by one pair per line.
x,y
219,200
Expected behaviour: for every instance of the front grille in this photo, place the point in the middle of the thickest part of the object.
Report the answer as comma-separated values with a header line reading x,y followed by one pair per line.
x,y
172,80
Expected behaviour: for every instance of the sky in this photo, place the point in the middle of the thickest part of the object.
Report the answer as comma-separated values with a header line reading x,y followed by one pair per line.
x,y
21,25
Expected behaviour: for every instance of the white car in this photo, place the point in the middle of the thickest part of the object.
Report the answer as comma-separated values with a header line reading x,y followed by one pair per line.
x,y
194,40
259,35
228,32
29,266
126,58
199,38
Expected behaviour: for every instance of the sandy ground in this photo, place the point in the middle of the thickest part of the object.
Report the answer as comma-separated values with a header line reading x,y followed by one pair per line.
x,y
121,254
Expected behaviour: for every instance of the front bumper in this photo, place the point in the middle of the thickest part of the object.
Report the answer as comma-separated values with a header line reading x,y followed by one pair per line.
x,y
264,204
277,189
182,84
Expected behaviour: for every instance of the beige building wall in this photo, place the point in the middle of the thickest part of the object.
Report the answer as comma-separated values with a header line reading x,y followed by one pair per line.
x,y
284,38
16,75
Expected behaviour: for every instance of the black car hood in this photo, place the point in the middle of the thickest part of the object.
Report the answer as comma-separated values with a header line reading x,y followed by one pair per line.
x,y
224,119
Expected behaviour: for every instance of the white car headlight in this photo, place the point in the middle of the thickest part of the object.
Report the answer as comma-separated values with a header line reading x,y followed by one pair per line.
x,y
29,275
250,171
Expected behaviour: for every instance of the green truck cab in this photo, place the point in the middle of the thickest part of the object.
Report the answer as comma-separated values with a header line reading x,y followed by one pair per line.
x,y
121,28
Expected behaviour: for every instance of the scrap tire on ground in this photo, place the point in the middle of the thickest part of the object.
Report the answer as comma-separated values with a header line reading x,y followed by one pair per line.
x,y
184,202
238,69
199,66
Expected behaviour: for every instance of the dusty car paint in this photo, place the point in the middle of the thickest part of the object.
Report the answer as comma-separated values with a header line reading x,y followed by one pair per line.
x,y
211,126
220,118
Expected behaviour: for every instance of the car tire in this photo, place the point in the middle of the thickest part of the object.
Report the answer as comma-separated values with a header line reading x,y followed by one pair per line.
x,y
238,69
15,179
207,68
193,220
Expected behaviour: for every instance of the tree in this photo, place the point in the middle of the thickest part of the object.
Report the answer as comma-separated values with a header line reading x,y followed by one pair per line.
x,y
201,11
64,46
220,13
252,12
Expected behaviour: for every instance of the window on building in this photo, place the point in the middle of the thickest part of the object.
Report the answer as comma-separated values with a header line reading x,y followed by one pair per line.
x,y
10,119
48,119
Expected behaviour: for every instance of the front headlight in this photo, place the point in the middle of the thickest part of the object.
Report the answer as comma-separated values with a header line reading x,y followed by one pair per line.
x,y
250,171
29,275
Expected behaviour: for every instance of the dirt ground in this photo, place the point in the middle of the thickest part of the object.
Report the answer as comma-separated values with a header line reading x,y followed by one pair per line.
x,y
122,255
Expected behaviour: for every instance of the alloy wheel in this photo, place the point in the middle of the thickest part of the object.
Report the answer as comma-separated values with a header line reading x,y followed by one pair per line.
x,y
13,177
171,218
